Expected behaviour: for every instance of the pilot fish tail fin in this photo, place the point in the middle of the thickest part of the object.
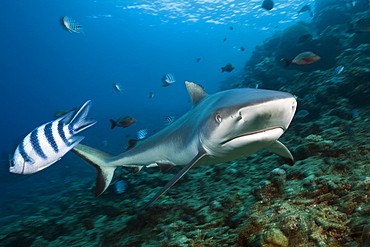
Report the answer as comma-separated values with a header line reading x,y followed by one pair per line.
x,y
99,160
287,62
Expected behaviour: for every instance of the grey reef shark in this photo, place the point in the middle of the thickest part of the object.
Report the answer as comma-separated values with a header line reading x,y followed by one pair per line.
x,y
218,128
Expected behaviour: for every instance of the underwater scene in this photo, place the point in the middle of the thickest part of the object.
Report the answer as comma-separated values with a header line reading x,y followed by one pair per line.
x,y
176,123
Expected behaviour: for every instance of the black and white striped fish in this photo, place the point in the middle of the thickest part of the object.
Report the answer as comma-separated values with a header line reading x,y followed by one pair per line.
x,y
49,142
167,80
72,25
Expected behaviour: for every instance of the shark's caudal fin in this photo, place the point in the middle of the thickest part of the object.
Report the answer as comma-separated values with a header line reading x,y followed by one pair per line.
x,y
97,159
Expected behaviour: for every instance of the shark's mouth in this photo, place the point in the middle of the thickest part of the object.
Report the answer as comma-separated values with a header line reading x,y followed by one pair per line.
x,y
266,133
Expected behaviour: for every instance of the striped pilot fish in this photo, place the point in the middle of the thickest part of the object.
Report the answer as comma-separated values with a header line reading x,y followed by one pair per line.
x,y
72,25
49,142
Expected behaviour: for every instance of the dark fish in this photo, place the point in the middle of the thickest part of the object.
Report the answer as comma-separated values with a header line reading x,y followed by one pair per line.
x,y
123,122
268,4
151,95
49,142
63,112
198,59
306,8
224,39
304,58
242,48
231,28
304,38
362,25
228,67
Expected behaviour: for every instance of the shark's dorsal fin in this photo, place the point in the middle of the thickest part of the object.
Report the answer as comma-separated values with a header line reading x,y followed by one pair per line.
x,y
196,92
176,178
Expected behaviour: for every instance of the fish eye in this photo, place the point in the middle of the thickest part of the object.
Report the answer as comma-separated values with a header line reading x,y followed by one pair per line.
x,y
12,163
218,118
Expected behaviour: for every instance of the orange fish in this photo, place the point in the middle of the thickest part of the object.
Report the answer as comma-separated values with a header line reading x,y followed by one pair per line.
x,y
304,58
123,122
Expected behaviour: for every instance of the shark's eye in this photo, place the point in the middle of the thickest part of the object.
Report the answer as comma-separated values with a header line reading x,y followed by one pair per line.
x,y
239,117
218,118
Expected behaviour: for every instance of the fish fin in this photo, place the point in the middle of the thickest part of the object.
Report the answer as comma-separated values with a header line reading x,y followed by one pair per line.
x,y
98,159
196,92
137,169
131,143
113,123
176,178
79,121
74,140
280,149
287,62
222,69
165,167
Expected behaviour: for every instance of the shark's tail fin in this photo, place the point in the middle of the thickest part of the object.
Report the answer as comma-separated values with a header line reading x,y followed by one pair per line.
x,y
99,160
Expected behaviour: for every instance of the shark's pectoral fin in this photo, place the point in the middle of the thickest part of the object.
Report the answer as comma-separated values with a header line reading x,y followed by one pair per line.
x,y
98,159
165,167
176,178
280,149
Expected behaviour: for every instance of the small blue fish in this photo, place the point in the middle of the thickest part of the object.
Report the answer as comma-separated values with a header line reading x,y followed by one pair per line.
x,y
338,70
167,80
71,25
169,120
120,186
141,134
118,87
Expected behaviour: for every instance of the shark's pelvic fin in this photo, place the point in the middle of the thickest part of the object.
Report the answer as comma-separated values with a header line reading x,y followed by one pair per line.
x,y
97,159
196,92
278,148
176,178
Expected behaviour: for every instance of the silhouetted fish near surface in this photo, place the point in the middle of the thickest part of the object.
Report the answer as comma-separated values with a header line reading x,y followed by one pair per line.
x,y
71,25
303,59
167,80
48,143
267,4
224,39
231,28
198,60
123,122
242,48
228,68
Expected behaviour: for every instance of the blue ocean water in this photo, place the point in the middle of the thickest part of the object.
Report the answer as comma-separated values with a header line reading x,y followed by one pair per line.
x,y
44,68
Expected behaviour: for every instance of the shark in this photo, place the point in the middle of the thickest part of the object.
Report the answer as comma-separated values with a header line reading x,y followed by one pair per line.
x,y
220,127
